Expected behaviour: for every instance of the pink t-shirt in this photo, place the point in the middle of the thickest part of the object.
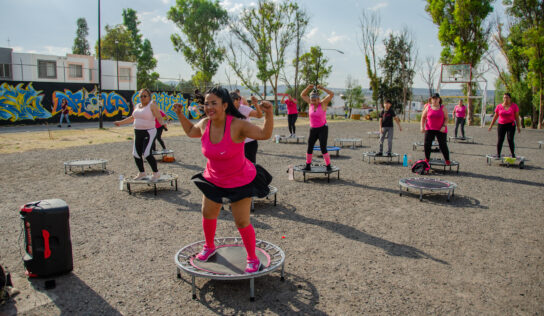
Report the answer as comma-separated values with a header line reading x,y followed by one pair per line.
x,y
291,107
460,111
157,124
227,166
435,119
143,117
318,117
246,110
507,116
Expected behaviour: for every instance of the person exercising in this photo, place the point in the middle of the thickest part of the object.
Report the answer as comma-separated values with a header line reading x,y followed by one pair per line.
x,y
251,146
386,127
460,114
318,123
508,115
292,113
229,174
434,123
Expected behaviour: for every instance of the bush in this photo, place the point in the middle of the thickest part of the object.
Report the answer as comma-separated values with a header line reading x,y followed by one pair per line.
x,y
373,115
476,120
528,121
418,117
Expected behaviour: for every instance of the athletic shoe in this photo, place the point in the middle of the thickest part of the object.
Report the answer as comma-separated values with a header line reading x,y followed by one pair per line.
x,y
379,154
156,176
426,160
513,156
308,167
253,265
329,168
140,176
448,163
69,125
389,155
206,253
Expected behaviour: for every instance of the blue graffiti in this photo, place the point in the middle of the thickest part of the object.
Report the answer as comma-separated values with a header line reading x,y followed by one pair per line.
x,y
84,103
20,103
166,102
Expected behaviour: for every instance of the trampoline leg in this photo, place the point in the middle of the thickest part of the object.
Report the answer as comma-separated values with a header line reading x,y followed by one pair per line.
x,y
400,190
252,289
176,184
194,286
128,188
328,177
178,273
275,199
155,189
64,169
420,195
282,278
304,174
338,174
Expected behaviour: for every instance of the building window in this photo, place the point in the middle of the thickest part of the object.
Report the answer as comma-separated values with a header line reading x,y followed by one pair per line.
x,y
124,74
47,69
76,71
5,71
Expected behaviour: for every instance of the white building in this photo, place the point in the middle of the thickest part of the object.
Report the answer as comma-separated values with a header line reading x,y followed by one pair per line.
x,y
116,75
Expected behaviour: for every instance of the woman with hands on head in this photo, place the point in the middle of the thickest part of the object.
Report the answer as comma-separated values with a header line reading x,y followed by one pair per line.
x,y
143,118
434,123
228,174
317,112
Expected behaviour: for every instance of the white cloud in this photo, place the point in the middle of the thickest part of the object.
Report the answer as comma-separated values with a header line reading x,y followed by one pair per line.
x,y
160,18
166,1
334,38
231,7
312,33
379,6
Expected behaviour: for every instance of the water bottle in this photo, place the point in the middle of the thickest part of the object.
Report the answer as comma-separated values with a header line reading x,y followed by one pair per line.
x,y
405,160
121,178
291,173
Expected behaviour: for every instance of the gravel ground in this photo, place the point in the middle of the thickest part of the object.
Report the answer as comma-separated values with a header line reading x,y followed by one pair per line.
x,y
353,246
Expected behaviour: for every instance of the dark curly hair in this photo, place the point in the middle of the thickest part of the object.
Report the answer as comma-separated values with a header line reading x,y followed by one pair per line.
x,y
224,95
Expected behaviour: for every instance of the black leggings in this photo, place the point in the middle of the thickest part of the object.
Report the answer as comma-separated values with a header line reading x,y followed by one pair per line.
x,y
321,133
159,139
460,121
291,119
250,150
442,139
508,129
143,139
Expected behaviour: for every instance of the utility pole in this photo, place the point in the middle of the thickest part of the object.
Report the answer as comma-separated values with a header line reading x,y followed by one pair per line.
x,y
100,124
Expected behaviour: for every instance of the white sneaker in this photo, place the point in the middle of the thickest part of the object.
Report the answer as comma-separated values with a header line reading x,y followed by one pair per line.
x,y
140,176
156,176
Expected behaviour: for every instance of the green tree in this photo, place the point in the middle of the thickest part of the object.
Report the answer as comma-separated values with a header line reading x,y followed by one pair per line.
x,y
116,44
528,15
130,21
81,45
354,96
370,32
463,32
200,21
314,68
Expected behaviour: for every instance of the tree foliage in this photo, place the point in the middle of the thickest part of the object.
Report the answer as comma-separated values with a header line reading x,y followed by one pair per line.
x,y
81,45
314,68
462,31
116,44
130,21
200,21
354,96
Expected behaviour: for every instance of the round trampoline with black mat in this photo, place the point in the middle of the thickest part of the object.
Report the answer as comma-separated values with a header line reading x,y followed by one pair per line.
x,y
434,146
540,144
355,142
506,161
373,134
374,155
427,184
163,153
290,139
440,163
165,178
229,262
317,169
85,163
329,148
466,139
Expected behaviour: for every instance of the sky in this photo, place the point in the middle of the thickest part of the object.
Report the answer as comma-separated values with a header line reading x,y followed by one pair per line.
x,y
49,27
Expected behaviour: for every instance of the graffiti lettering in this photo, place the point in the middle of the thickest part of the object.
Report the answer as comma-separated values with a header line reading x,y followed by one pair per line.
x,y
166,102
84,103
20,103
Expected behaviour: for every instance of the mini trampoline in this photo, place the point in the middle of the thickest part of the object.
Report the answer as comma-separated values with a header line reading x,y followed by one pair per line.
x,y
466,139
427,184
288,139
374,155
540,143
353,141
506,161
330,148
229,262
317,169
165,178
163,153
434,146
68,165
373,134
442,163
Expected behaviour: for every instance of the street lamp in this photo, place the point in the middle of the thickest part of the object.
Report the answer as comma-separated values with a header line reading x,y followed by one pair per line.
x,y
117,62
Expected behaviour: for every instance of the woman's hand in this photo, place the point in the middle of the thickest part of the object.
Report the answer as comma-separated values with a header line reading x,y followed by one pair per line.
x,y
489,129
421,129
178,107
117,123
320,87
267,108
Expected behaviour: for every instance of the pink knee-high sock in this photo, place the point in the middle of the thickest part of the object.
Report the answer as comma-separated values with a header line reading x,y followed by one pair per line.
x,y
327,158
209,226
248,237
309,158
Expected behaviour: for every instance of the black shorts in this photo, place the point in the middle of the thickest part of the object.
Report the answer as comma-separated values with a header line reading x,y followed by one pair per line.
x,y
258,187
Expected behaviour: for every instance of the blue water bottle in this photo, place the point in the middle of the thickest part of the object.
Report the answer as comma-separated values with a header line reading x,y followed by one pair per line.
x,y
405,160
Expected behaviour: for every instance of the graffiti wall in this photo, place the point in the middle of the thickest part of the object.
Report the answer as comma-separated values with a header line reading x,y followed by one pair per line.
x,y
38,102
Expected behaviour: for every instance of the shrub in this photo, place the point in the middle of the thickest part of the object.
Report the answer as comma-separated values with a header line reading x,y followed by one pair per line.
x,y
528,121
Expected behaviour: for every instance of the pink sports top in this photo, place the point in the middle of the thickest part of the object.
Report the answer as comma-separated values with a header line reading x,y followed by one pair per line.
x,y
291,107
460,111
157,124
143,117
507,116
435,119
227,166
318,117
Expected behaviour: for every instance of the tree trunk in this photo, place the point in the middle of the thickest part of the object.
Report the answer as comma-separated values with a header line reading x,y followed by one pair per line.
x,y
404,104
275,89
540,109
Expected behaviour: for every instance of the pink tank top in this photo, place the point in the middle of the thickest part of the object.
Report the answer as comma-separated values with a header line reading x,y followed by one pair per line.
x,y
157,124
435,119
460,111
318,117
507,116
143,117
227,166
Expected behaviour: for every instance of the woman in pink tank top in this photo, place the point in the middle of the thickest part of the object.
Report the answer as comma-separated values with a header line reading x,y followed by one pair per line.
x,y
460,114
143,118
317,111
508,115
229,174
434,123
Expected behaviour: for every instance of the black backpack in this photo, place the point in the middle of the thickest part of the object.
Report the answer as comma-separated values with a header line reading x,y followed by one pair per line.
x,y
421,167
5,281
